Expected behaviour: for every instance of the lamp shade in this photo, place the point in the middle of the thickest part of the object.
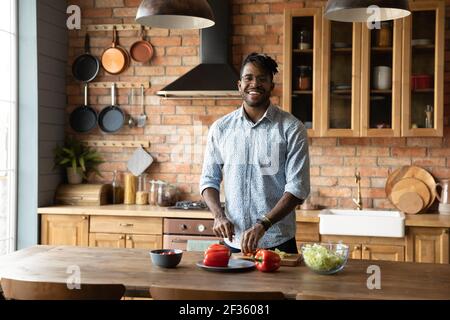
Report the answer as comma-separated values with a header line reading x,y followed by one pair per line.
x,y
175,14
359,11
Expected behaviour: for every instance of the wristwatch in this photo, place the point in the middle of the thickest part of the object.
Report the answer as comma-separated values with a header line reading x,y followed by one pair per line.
x,y
265,222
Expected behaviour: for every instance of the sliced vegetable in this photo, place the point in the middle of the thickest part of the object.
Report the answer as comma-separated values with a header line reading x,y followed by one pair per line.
x,y
320,258
217,255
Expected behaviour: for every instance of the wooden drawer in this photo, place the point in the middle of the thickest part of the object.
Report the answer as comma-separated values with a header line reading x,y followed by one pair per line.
x,y
307,231
128,225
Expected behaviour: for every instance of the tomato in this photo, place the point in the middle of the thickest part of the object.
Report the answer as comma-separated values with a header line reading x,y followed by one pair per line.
x,y
267,261
217,255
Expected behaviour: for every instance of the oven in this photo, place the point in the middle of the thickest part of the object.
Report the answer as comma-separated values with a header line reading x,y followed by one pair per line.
x,y
192,234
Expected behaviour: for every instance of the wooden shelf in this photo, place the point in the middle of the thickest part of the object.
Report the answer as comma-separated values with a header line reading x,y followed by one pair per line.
x,y
424,47
118,143
381,91
119,85
303,50
109,27
382,49
302,92
342,50
341,91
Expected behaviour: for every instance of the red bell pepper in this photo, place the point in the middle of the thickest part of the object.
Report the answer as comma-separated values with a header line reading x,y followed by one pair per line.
x,y
267,261
217,255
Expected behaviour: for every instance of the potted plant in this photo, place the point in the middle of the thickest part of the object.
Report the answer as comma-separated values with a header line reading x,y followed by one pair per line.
x,y
78,159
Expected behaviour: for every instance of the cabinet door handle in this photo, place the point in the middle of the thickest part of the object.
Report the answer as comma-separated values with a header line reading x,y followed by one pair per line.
x,y
365,248
356,248
126,224
446,231
84,218
178,241
121,238
129,238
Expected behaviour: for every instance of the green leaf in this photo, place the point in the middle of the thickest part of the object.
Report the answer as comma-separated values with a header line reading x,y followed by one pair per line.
x,y
83,167
74,165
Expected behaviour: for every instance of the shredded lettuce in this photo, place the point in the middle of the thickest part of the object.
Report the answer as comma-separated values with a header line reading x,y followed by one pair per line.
x,y
320,258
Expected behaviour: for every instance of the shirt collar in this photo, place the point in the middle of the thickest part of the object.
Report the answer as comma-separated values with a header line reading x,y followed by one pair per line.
x,y
269,114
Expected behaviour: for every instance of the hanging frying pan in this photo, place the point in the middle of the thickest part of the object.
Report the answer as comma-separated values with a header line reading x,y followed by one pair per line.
x,y
142,50
111,118
83,118
85,67
115,59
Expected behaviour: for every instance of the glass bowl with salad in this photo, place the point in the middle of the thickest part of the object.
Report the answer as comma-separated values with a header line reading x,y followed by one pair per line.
x,y
325,258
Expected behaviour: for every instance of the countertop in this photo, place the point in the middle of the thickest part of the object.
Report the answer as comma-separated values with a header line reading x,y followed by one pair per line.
x,y
133,269
418,220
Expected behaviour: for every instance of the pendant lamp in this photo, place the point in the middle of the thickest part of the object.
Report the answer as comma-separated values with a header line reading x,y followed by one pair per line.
x,y
175,14
361,10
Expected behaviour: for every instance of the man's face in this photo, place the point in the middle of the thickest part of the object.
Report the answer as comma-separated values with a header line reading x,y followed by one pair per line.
x,y
255,86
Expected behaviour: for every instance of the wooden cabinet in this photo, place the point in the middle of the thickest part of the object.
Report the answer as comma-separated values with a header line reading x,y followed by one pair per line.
x,y
341,80
429,245
102,231
135,241
67,230
423,69
364,77
371,248
355,251
301,83
107,240
383,252
381,76
126,232
141,241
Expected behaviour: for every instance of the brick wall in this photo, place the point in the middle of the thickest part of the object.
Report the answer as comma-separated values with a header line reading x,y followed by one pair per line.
x,y
178,127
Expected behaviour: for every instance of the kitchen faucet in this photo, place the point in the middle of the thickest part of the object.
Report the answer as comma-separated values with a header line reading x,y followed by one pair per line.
x,y
358,201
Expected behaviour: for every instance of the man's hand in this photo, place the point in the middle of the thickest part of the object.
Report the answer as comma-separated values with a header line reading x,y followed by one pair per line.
x,y
223,228
251,237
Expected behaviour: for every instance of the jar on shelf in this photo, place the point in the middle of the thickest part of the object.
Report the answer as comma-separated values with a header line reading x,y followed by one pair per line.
x,y
142,194
152,193
384,35
167,194
304,39
304,78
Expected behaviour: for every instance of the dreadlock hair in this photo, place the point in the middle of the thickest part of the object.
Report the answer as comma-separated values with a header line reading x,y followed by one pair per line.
x,y
263,61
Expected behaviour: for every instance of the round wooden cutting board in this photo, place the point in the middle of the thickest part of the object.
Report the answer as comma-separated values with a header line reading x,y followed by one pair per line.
x,y
412,172
403,195
410,203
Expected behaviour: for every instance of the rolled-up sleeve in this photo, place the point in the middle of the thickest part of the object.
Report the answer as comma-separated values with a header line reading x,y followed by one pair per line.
x,y
212,164
297,162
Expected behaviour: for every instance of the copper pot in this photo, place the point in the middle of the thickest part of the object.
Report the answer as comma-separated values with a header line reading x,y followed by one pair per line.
x,y
115,59
142,50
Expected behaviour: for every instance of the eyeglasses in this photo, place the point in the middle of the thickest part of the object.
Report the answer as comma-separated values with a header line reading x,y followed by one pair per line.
x,y
261,79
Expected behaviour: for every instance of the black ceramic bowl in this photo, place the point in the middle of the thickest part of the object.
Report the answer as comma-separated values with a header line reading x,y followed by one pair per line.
x,y
161,258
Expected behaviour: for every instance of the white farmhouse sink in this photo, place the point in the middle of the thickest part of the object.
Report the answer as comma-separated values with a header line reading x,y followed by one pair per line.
x,y
370,223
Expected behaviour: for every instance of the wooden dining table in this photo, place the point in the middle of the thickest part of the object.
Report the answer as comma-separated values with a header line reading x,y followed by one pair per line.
x,y
134,269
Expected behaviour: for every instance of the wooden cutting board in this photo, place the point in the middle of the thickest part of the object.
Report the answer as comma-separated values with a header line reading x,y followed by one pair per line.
x,y
405,193
290,260
410,203
411,172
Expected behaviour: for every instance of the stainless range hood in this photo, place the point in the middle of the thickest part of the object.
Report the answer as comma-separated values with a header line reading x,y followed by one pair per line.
x,y
214,76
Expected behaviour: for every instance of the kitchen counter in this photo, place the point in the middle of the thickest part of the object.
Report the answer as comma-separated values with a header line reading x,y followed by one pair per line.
x,y
133,268
419,220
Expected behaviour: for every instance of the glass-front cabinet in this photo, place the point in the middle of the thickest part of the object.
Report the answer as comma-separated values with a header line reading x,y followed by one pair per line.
x,y
341,81
301,83
384,79
381,73
423,69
